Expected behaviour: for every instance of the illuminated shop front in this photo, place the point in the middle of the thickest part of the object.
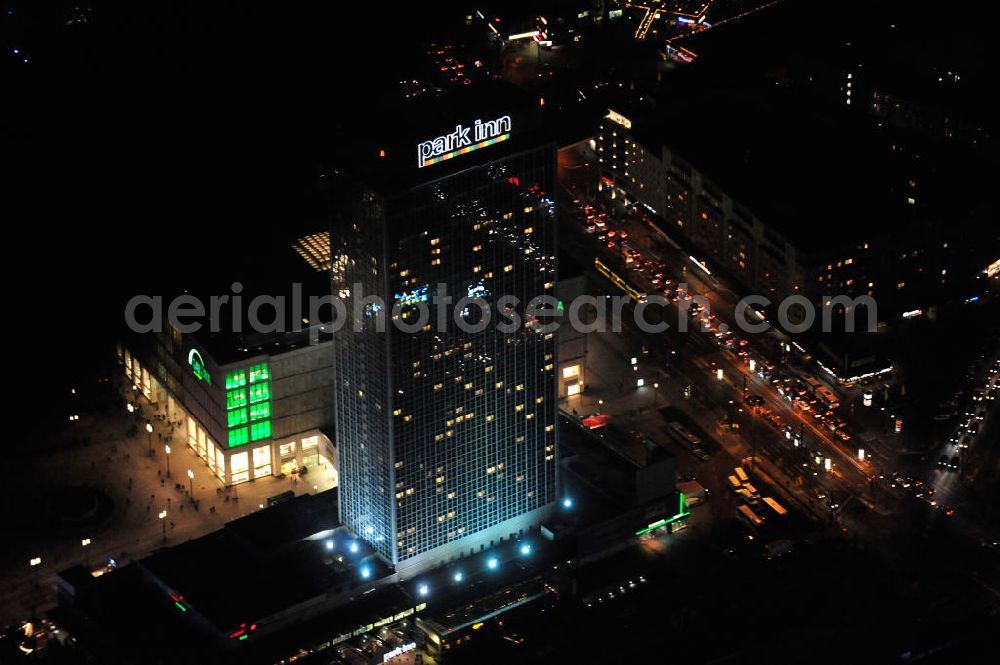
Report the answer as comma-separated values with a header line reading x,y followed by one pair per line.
x,y
256,417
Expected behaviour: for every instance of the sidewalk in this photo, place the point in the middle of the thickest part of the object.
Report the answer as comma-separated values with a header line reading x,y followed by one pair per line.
x,y
120,467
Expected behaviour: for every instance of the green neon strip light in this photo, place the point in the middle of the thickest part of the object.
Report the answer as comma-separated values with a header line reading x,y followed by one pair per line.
x,y
243,637
467,149
656,525
181,607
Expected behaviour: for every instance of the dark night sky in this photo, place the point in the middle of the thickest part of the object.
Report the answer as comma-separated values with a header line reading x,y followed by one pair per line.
x,y
141,144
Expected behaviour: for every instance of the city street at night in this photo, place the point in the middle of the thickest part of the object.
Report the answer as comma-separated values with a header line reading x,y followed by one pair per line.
x,y
510,332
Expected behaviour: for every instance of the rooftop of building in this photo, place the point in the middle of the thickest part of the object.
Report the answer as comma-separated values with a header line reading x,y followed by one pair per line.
x,y
284,266
823,175
229,576
380,148
254,567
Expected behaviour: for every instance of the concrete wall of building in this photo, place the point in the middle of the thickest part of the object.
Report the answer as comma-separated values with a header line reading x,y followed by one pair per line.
x,y
475,543
301,390
571,344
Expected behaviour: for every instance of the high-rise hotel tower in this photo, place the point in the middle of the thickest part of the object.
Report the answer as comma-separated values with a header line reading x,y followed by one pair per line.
x,y
446,433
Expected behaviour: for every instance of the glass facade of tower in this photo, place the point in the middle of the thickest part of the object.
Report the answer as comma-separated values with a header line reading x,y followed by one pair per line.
x,y
442,432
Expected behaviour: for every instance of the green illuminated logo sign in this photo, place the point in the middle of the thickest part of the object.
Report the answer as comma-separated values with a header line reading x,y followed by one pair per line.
x,y
198,367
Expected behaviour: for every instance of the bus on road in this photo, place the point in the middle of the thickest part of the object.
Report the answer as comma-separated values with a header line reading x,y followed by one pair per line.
x,y
826,396
776,507
749,518
742,475
635,294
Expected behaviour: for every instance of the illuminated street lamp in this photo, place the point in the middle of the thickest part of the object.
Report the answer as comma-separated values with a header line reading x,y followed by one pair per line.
x,y
861,454
84,543
131,409
867,398
166,449
492,563
35,562
718,374
457,576
163,521
567,503
423,590
149,434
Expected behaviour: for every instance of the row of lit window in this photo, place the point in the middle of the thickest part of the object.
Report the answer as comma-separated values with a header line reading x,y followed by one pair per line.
x,y
239,436
259,411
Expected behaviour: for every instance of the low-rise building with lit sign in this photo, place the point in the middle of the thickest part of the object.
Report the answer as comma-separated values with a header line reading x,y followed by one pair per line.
x,y
250,405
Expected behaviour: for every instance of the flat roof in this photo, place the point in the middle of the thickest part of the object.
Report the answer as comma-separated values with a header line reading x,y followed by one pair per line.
x,y
380,148
823,175
262,563
275,269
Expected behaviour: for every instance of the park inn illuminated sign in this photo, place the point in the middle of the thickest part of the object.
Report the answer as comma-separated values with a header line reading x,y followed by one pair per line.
x,y
464,139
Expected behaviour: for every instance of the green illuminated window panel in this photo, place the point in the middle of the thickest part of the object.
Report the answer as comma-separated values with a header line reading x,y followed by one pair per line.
x,y
237,417
236,379
259,392
255,392
261,430
259,373
262,410
238,437
236,398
